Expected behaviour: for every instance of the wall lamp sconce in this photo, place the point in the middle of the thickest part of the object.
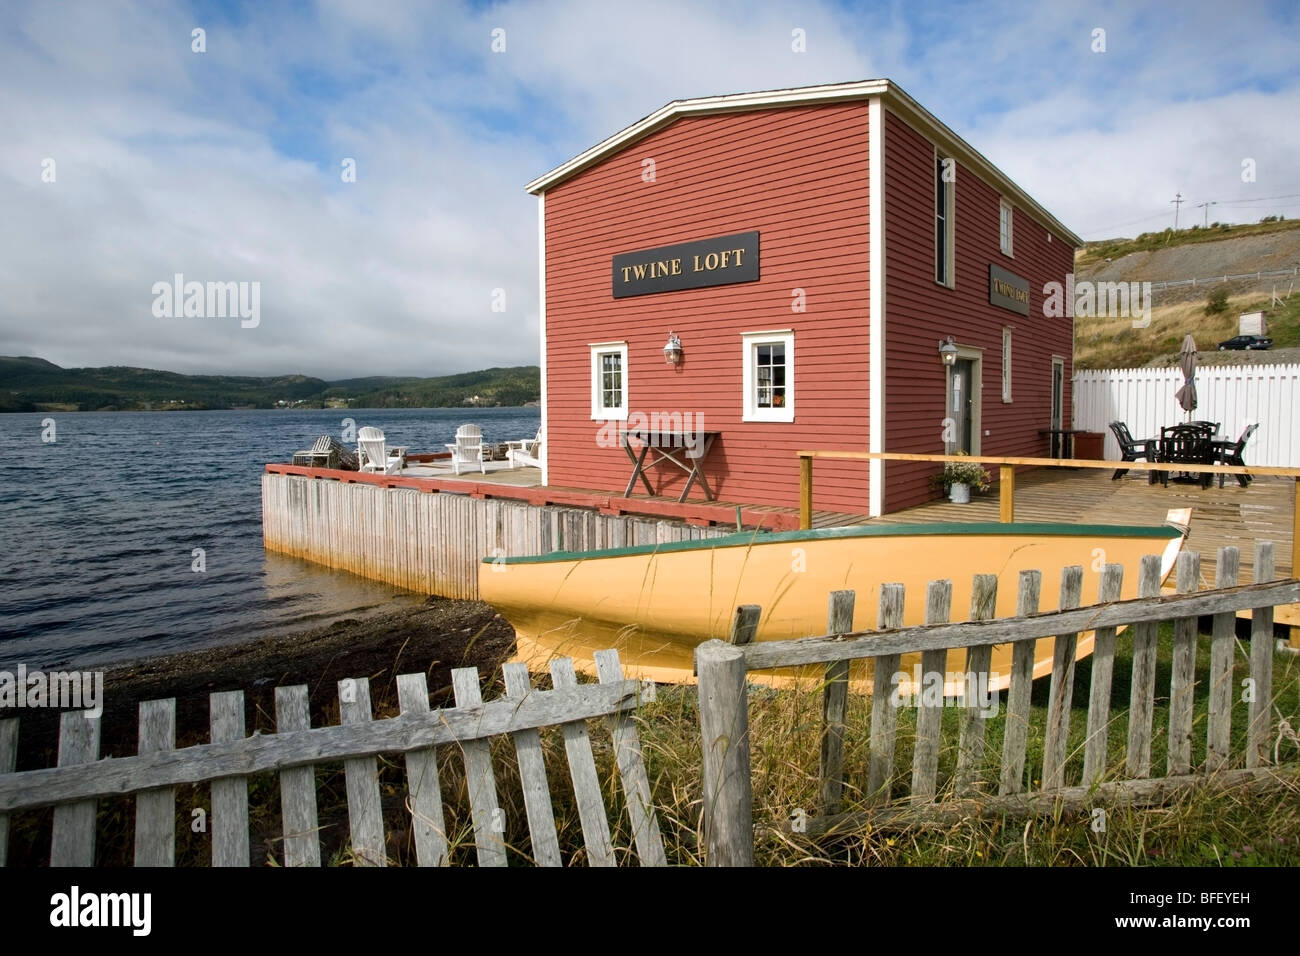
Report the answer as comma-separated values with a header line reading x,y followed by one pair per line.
x,y
948,351
673,350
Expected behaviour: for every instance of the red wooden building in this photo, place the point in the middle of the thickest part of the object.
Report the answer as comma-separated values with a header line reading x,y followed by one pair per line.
x,y
810,249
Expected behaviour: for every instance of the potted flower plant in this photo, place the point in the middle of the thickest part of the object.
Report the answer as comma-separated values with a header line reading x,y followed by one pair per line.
x,y
959,477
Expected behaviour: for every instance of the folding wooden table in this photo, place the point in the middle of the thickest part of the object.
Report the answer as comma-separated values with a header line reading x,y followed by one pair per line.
x,y
668,446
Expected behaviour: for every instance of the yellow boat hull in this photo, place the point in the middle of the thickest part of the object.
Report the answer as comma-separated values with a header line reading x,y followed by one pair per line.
x,y
655,604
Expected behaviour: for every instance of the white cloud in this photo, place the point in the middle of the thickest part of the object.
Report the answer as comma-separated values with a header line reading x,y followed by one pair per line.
x,y
225,165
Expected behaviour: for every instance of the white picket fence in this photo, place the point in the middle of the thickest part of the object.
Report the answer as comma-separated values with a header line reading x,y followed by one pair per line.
x,y
1233,395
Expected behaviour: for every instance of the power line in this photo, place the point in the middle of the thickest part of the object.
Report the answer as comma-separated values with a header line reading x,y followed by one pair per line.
x,y
1243,202
1178,200
1133,222
1221,202
1161,215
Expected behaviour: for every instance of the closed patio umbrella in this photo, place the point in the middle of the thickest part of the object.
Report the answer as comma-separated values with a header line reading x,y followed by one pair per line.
x,y
1187,362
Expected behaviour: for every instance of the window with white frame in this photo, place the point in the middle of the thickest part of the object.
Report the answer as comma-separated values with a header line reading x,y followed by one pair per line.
x,y
768,376
945,176
1006,363
1004,226
609,380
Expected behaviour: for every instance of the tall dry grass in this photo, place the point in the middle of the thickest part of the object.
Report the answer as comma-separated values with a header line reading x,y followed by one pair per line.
x,y
1206,826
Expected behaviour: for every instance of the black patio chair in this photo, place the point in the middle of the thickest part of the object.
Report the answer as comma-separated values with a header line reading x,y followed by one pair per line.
x,y
1190,445
1132,449
1230,452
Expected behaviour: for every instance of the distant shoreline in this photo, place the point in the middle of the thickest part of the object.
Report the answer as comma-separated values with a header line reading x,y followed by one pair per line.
x,y
30,384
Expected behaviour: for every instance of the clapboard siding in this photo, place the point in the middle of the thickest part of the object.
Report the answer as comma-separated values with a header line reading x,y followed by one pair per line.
x,y
919,312
799,177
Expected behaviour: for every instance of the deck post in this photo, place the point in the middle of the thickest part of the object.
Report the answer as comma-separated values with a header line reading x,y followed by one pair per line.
x,y
724,733
805,492
1007,493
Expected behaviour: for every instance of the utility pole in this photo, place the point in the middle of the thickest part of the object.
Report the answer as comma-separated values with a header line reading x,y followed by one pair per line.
x,y
1206,206
1178,200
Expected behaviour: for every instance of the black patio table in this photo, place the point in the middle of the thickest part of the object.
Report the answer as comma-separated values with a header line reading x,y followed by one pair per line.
x,y
667,446
1191,443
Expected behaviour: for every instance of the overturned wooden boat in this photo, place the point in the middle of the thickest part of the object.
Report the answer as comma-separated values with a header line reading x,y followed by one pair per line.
x,y
655,603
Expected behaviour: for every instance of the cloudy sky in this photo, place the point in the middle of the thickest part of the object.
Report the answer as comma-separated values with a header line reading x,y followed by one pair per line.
x,y
228,164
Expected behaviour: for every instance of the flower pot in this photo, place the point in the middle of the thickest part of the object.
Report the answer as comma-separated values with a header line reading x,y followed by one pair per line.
x,y
959,493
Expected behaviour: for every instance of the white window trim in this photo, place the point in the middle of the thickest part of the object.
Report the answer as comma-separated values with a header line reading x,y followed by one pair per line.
x,y
1008,249
751,412
949,224
599,413
1006,363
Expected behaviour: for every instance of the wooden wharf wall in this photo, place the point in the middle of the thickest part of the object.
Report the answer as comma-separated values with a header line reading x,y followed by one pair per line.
x,y
434,543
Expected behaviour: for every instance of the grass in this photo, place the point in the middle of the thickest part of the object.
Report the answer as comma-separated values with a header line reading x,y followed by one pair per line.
x,y
1205,826
1167,238
1215,827
1113,342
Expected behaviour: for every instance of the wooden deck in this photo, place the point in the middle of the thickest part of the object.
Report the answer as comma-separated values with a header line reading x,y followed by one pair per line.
x,y
498,472
524,485
1230,515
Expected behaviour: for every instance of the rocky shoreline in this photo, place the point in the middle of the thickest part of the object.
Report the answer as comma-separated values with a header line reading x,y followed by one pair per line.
x,y
431,638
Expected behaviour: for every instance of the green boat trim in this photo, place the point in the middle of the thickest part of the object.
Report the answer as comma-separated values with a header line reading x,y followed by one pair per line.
x,y
749,538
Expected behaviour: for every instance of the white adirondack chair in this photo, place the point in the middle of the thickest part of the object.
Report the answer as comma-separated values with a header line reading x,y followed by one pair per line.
x,y
467,452
526,452
373,453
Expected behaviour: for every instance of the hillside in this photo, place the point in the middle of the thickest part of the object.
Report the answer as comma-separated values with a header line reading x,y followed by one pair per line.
x,y
33,384
1113,342
1109,249
491,386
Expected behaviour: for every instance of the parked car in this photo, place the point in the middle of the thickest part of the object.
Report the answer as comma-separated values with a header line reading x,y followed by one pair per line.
x,y
1238,342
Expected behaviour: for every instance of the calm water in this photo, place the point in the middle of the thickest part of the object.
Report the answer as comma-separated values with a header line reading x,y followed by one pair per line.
x,y
97,529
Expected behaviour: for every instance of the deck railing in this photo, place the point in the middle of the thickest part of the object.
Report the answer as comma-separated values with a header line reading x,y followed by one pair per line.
x,y
980,783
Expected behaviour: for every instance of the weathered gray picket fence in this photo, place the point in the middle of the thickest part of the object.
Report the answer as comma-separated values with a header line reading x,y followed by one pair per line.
x,y
80,777
724,716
